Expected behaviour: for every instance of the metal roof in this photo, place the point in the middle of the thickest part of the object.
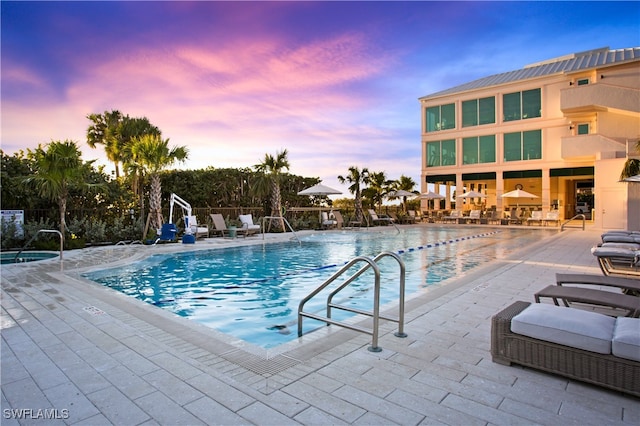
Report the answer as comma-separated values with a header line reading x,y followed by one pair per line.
x,y
566,64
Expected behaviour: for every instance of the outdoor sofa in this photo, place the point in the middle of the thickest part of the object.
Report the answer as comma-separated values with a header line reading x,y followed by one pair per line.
x,y
609,358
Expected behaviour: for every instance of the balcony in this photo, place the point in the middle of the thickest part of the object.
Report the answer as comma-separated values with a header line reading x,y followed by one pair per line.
x,y
599,97
587,147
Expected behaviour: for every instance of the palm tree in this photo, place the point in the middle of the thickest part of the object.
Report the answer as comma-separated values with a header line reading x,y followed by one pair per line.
x,y
379,187
631,166
103,131
356,179
57,167
152,154
404,183
271,169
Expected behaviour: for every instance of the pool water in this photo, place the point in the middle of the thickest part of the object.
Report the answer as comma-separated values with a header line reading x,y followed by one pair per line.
x,y
253,292
8,258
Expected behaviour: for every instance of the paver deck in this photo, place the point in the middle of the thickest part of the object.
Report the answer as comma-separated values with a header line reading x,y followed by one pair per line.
x,y
74,352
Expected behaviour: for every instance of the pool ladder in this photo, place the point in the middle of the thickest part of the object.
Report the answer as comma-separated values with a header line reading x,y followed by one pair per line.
x,y
375,314
42,231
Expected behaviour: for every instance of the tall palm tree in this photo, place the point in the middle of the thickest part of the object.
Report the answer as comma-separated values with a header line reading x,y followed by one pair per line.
x,y
152,154
104,131
357,179
404,183
271,169
631,166
379,187
57,167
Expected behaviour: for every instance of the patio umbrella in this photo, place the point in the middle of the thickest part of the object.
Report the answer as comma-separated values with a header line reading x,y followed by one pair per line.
x,y
518,193
635,178
319,189
431,196
401,193
472,194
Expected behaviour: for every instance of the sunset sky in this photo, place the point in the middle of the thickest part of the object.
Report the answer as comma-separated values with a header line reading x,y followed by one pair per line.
x,y
335,83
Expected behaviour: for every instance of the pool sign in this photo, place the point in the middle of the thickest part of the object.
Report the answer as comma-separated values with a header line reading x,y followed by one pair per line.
x,y
15,216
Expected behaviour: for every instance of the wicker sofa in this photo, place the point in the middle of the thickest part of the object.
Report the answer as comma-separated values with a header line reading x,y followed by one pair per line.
x,y
605,370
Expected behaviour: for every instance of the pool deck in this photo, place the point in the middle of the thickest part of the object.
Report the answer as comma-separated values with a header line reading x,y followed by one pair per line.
x,y
85,354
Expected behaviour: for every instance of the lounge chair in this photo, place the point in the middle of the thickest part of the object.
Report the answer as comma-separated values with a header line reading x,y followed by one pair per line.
x,y
454,216
551,217
631,304
620,237
199,231
328,222
618,260
536,216
626,285
339,219
415,216
220,226
474,216
247,224
377,220
513,218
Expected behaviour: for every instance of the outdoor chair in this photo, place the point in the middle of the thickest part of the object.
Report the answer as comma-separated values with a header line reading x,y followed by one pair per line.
x,y
247,224
536,216
327,221
377,220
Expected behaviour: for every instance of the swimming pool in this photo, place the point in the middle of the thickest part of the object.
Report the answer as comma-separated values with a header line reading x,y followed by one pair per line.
x,y
252,292
26,256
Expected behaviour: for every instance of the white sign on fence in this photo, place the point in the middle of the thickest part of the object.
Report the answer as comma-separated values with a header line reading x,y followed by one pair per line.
x,y
15,216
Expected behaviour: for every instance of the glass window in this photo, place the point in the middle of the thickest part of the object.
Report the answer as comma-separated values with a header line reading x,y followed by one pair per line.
x,y
531,104
523,145
522,105
470,150
487,110
511,106
470,113
479,111
449,152
479,149
441,153
487,149
448,117
583,81
433,119
441,117
583,129
532,145
512,146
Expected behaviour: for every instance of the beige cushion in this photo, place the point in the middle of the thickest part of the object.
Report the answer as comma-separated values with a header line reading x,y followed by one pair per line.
x,y
566,326
626,338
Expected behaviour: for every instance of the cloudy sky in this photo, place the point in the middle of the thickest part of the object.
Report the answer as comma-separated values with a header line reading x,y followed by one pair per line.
x,y
334,83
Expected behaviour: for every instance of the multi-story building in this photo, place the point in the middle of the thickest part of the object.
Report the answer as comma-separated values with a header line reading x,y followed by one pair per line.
x,y
561,129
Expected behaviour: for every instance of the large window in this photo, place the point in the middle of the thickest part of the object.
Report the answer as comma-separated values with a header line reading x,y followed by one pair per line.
x,y
441,117
522,105
441,153
479,149
523,145
479,111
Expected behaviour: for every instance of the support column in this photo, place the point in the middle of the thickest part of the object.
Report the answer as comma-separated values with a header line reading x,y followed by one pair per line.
x,y
499,192
447,201
459,190
546,190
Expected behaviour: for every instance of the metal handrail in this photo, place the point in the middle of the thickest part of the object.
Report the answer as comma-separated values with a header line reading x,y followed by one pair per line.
x,y
400,318
50,231
285,221
371,263
579,215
